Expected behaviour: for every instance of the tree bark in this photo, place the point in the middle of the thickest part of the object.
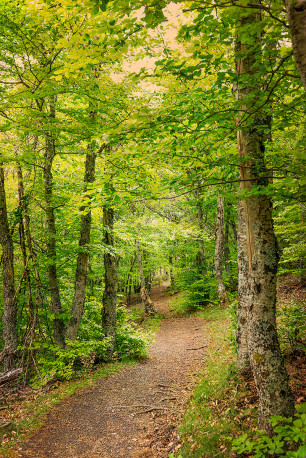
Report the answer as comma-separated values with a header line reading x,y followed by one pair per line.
x,y
146,300
83,253
9,318
219,251
58,323
296,11
244,298
111,281
275,397
38,300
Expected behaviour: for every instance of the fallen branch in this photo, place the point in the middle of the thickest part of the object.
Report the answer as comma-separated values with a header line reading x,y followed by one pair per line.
x,y
11,375
152,409
198,348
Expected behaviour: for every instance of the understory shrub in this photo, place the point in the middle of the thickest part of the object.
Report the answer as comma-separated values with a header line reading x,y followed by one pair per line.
x,y
289,439
52,362
200,290
130,341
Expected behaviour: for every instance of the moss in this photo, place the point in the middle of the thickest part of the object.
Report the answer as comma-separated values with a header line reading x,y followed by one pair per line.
x,y
258,358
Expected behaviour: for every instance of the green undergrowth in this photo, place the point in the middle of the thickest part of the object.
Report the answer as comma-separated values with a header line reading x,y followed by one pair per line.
x,y
28,415
212,411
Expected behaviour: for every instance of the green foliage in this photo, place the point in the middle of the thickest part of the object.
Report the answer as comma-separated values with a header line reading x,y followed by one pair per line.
x,y
53,362
288,440
291,321
199,290
130,341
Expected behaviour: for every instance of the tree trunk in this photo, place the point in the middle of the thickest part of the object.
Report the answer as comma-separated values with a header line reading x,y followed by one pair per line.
x,y
275,397
58,323
296,11
244,298
111,281
83,253
22,236
219,251
9,318
171,271
146,300
226,250
26,217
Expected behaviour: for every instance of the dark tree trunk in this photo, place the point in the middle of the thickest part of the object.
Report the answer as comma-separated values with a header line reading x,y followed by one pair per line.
x,y
171,271
58,324
275,397
111,281
296,11
29,242
9,318
83,254
219,247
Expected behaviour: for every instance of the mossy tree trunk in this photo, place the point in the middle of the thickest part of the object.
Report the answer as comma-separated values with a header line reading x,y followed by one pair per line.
x,y
275,397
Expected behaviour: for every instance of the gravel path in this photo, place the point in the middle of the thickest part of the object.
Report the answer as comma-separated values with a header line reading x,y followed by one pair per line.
x,y
135,412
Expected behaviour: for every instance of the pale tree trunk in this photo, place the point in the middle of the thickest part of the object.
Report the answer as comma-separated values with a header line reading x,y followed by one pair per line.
x,y
78,302
200,259
296,11
226,251
275,397
244,298
219,251
200,254
9,318
145,297
111,281
58,323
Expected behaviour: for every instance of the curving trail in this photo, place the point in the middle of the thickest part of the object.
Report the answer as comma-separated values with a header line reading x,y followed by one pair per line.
x,y
133,413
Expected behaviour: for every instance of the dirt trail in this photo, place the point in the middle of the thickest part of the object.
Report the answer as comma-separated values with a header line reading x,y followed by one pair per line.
x,y
133,413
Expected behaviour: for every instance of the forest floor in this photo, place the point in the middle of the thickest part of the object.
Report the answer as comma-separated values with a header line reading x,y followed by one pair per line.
x,y
135,412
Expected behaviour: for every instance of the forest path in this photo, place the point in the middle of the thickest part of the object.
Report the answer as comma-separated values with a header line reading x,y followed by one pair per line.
x,y
132,413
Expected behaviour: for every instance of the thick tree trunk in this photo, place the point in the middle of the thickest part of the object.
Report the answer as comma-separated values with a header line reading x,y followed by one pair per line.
x,y
244,298
83,254
9,318
268,367
219,251
145,297
296,11
111,281
58,324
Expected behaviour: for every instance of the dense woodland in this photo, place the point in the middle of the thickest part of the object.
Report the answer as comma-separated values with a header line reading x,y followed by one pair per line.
x,y
144,142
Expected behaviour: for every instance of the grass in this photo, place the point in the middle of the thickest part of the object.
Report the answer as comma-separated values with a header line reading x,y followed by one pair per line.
x,y
212,411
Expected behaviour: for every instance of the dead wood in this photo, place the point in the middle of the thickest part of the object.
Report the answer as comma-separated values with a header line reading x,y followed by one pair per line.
x,y
10,375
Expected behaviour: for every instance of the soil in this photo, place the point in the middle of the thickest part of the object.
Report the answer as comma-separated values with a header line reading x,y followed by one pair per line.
x,y
135,412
